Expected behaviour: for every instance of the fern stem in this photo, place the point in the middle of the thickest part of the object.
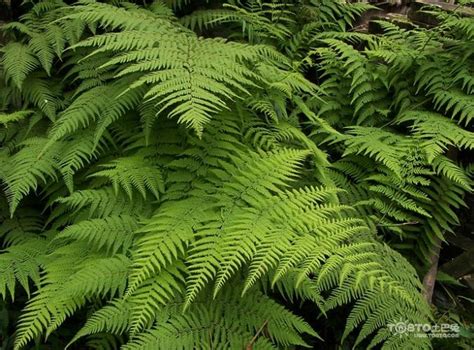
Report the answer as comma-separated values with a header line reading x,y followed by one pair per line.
x,y
430,277
255,337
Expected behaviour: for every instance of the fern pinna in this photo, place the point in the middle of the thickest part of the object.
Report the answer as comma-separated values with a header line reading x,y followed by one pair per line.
x,y
188,191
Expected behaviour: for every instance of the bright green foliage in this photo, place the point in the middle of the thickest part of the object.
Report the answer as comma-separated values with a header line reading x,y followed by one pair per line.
x,y
178,186
133,173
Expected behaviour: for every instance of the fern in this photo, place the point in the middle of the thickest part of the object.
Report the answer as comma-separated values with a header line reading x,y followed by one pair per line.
x,y
19,61
175,73
26,171
180,176
113,233
14,117
133,172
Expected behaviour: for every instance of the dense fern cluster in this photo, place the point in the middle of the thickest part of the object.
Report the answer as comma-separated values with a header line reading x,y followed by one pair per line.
x,y
406,102
182,177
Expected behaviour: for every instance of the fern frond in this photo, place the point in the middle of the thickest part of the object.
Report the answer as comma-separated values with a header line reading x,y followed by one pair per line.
x,y
133,173
18,61
113,233
112,318
26,171
5,119
21,262
165,237
50,307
